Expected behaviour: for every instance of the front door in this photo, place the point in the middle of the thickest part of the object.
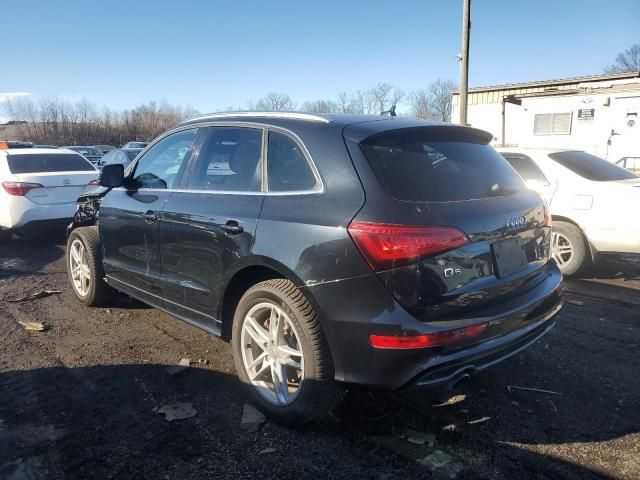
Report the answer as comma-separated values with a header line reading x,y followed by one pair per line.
x,y
129,217
208,227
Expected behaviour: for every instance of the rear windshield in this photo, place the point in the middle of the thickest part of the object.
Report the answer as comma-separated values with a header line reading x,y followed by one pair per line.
x,y
48,162
591,167
132,154
420,165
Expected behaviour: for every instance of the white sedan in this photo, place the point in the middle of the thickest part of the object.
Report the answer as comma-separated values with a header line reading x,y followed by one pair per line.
x,y
39,187
594,204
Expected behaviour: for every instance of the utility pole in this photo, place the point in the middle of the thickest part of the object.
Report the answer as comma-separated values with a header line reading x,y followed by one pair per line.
x,y
464,60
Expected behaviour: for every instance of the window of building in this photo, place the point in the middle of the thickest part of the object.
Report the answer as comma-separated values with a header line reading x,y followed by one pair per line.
x,y
552,124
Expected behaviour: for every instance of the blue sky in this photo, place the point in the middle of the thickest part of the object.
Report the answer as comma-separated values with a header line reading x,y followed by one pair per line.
x,y
214,54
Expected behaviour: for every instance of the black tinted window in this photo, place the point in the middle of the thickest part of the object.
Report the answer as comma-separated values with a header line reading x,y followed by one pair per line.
x,y
526,167
287,167
48,162
437,165
591,167
160,166
229,160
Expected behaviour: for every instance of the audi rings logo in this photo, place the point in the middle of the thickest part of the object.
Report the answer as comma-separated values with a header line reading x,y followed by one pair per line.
x,y
515,223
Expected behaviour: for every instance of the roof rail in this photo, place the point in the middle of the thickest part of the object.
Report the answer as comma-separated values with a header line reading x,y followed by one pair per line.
x,y
287,115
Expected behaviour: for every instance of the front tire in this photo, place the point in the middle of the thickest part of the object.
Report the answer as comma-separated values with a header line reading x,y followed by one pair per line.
x,y
84,267
568,247
281,354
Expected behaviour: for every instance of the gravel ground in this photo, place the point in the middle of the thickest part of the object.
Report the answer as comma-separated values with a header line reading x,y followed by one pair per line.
x,y
78,400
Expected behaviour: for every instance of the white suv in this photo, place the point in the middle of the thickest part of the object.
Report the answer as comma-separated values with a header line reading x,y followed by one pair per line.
x,y
594,204
40,186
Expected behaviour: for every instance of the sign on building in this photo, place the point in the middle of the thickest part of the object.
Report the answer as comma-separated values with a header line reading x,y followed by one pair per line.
x,y
586,113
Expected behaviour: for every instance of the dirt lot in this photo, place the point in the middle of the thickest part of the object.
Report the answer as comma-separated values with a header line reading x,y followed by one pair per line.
x,y
78,400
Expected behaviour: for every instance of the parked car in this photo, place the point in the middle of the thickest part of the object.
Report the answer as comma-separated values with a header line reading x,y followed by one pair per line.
x,y
90,153
123,156
592,203
5,144
135,144
45,146
329,249
630,163
40,187
105,148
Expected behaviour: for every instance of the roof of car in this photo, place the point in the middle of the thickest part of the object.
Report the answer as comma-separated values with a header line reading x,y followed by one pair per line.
x,y
34,151
535,149
335,118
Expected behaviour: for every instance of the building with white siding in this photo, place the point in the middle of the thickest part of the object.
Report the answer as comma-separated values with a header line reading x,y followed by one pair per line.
x,y
597,113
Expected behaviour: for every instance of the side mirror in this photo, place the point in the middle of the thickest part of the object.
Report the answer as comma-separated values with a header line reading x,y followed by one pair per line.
x,y
112,175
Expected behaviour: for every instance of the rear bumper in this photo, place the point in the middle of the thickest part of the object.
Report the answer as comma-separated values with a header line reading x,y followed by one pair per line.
x,y
21,213
353,309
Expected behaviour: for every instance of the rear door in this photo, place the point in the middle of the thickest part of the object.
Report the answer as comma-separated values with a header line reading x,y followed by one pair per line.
x,y
532,175
63,176
129,216
208,227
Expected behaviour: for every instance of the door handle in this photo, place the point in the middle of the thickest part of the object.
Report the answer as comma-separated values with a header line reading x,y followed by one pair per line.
x,y
150,216
232,227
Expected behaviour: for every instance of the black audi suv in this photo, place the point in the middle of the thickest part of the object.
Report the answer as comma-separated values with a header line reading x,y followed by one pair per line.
x,y
329,249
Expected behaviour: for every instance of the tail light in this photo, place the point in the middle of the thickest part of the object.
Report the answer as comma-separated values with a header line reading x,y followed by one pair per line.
x,y
435,339
386,245
19,189
94,182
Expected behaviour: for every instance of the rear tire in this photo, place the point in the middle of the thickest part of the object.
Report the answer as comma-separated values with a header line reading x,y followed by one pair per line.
x,y
274,321
84,267
568,247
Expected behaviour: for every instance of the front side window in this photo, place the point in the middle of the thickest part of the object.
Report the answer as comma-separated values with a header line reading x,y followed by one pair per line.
x,y
159,167
526,167
229,160
591,167
287,167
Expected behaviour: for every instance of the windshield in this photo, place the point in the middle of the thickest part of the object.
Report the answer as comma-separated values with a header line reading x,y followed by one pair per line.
x,y
48,162
591,167
420,166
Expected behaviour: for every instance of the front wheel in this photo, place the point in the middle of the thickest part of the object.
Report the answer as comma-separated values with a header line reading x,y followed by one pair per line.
x,y
281,354
84,267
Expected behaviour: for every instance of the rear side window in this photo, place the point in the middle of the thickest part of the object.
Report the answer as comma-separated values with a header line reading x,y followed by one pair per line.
x,y
439,165
287,167
229,161
526,167
591,167
48,162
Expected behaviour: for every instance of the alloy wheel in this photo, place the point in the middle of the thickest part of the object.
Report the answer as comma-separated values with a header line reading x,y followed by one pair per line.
x,y
79,267
272,353
561,249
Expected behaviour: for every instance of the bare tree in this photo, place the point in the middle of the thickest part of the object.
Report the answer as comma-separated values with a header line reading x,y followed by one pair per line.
x,y
627,61
274,102
320,106
343,102
440,99
420,103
